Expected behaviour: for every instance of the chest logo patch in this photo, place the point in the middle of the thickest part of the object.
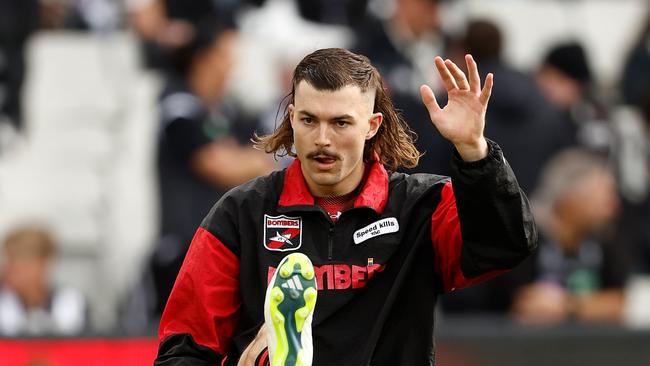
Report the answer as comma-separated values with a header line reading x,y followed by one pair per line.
x,y
381,227
282,233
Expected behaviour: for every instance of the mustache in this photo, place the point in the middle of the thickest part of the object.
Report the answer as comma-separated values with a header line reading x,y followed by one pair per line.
x,y
323,153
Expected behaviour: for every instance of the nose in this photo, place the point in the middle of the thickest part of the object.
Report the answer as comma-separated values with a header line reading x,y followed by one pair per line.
x,y
322,137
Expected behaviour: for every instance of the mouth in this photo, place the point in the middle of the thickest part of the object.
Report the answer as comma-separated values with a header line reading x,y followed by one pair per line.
x,y
324,162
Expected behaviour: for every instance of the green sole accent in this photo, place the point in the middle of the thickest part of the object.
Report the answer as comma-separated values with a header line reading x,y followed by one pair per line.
x,y
310,302
281,349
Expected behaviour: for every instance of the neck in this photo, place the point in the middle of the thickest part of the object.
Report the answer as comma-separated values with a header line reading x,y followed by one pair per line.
x,y
34,297
567,234
198,85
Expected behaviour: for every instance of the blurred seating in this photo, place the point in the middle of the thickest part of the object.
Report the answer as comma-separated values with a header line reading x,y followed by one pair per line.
x,y
86,165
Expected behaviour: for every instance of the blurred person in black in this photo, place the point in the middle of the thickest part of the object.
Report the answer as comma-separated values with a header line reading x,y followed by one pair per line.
x,y
578,272
401,46
527,127
520,118
633,230
566,79
203,149
18,19
29,304
635,80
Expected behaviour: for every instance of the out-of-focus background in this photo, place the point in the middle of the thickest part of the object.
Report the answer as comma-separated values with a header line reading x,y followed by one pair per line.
x,y
122,122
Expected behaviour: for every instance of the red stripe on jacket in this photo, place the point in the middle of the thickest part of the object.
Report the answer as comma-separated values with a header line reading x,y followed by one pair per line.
x,y
448,242
205,299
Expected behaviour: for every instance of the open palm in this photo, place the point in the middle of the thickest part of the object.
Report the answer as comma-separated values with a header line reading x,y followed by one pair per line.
x,y
462,120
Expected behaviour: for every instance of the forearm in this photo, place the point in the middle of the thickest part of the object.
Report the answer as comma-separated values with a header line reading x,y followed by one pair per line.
x,y
604,305
227,166
496,222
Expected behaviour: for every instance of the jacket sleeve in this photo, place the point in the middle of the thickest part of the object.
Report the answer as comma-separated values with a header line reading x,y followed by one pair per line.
x,y
203,309
483,225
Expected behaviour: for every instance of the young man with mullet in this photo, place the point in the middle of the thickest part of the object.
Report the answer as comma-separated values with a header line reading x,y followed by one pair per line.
x,y
383,245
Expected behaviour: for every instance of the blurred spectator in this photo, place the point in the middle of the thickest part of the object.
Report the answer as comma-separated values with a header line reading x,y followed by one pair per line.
x,y
203,149
18,19
635,83
29,305
566,79
633,230
576,272
99,16
168,25
402,47
519,118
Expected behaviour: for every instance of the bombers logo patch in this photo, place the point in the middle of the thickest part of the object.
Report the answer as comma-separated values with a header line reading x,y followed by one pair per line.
x,y
282,233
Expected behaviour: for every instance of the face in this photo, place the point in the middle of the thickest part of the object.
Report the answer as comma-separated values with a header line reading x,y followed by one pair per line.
x,y
560,89
24,273
218,63
421,15
594,201
330,129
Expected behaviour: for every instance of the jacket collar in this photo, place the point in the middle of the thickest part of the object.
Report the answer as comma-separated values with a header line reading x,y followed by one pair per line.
x,y
374,193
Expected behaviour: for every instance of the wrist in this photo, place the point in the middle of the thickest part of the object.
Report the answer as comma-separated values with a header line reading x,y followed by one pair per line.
x,y
473,151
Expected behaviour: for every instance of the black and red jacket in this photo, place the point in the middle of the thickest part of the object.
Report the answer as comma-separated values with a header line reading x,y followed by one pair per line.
x,y
379,268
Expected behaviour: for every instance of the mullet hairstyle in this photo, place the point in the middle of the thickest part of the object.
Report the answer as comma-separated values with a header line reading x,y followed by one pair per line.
x,y
332,69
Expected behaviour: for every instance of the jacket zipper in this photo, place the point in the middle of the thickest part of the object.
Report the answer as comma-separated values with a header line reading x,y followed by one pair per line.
x,y
330,242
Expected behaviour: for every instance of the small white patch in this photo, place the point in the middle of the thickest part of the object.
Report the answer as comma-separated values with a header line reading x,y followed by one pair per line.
x,y
296,280
381,227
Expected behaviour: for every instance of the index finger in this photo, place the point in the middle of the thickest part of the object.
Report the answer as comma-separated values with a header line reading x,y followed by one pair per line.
x,y
445,75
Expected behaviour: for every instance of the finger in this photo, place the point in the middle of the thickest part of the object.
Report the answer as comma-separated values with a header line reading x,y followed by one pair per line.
x,y
445,75
429,99
458,75
472,73
487,89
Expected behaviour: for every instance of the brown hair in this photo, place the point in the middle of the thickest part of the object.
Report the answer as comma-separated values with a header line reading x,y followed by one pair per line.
x,y
29,242
332,69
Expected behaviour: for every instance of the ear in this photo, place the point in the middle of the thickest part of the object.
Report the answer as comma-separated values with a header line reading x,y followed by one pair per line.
x,y
290,110
375,122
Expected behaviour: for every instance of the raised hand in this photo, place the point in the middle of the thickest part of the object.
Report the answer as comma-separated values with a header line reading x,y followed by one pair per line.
x,y
462,120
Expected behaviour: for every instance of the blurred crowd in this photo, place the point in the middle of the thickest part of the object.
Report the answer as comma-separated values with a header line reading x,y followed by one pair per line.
x,y
579,148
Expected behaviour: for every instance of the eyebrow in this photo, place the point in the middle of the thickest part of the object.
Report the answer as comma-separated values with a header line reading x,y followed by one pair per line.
x,y
335,118
303,112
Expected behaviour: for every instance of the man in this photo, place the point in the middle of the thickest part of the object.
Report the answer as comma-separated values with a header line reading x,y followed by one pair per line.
x,y
203,150
566,80
578,273
30,304
383,245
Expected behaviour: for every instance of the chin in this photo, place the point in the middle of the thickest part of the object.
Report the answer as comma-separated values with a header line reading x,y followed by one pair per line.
x,y
325,179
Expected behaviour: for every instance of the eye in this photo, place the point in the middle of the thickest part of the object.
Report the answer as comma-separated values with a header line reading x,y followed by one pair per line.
x,y
307,120
342,123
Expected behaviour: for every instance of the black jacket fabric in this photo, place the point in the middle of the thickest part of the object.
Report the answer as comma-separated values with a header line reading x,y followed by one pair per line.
x,y
379,267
